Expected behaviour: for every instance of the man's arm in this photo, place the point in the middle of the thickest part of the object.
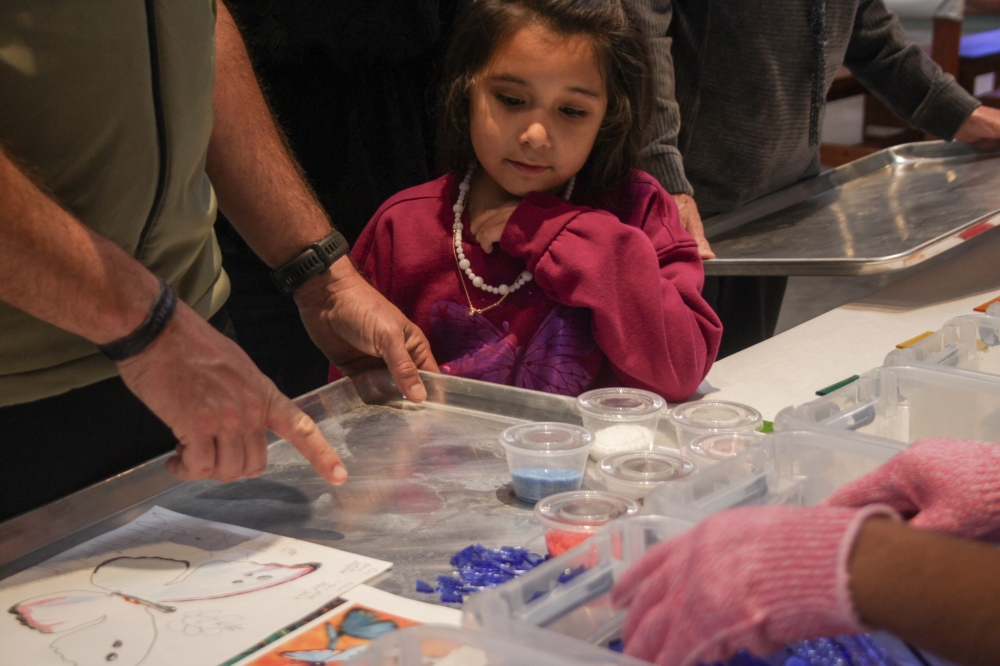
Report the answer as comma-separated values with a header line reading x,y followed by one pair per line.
x,y
265,197
201,384
661,157
49,263
935,591
903,76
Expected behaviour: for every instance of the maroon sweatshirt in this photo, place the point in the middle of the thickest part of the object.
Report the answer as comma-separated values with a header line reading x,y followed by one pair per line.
x,y
615,300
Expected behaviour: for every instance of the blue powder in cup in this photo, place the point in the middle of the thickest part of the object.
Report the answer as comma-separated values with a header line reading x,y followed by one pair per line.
x,y
533,484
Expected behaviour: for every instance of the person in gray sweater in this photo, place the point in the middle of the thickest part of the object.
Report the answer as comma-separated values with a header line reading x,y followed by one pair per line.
x,y
741,92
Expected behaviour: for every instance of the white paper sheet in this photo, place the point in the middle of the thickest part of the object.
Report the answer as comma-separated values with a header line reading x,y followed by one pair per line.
x,y
169,589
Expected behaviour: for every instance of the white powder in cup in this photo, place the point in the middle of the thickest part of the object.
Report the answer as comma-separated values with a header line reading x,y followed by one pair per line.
x,y
620,438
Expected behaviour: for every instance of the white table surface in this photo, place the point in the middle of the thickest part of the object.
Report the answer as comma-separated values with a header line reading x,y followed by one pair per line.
x,y
790,367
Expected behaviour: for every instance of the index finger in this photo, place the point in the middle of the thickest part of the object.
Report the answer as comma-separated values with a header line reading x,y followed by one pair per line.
x,y
288,421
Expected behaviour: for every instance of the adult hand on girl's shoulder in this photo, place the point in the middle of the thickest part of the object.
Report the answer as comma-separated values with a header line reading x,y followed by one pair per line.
x,y
691,221
488,225
354,325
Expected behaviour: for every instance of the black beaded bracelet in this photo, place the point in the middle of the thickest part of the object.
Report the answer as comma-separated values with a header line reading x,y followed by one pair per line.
x,y
159,315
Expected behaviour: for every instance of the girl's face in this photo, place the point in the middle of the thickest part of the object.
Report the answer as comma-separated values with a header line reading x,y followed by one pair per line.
x,y
536,109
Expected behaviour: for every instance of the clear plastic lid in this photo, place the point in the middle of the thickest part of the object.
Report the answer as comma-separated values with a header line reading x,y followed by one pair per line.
x,y
643,468
583,510
716,415
724,445
547,437
620,404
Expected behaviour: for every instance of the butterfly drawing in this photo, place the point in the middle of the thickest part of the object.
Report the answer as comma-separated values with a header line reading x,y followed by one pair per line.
x,y
478,349
118,624
357,623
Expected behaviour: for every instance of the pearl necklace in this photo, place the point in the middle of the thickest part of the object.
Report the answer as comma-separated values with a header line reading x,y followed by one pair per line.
x,y
464,266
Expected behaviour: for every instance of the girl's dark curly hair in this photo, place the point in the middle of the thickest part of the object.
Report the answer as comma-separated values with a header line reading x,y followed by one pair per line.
x,y
623,56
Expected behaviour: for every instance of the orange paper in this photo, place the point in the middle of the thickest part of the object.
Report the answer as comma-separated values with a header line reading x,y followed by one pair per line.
x,y
335,640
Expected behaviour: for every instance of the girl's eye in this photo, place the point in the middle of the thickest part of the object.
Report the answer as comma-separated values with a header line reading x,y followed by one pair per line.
x,y
509,101
572,113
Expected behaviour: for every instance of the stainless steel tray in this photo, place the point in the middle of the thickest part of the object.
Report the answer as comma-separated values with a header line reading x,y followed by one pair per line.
x,y
425,481
885,212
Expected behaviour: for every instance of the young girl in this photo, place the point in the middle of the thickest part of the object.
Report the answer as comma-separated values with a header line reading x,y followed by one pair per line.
x,y
544,259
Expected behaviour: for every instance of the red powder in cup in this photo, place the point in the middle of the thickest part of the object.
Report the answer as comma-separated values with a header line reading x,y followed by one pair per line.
x,y
559,541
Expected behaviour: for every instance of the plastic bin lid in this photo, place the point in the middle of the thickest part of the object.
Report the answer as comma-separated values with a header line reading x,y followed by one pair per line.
x,y
583,510
643,468
547,437
620,404
724,445
716,415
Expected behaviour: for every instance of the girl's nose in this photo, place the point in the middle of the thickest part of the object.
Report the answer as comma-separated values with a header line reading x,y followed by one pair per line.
x,y
536,136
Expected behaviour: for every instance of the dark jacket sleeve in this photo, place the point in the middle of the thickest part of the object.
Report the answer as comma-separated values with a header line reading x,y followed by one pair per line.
x,y
903,76
661,157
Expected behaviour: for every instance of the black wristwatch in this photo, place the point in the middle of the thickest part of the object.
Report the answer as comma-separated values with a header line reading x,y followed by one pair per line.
x,y
314,260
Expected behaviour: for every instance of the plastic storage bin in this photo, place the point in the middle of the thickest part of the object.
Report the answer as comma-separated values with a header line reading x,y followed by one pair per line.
x,y
966,343
570,594
906,403
787,467
520,645
569,597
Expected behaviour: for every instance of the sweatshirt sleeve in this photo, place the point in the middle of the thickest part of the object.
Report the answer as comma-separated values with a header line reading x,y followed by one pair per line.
x,y
641,283
904,77
662,157
372,253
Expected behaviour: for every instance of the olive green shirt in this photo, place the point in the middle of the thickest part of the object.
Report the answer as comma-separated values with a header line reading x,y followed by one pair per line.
x,y
109,104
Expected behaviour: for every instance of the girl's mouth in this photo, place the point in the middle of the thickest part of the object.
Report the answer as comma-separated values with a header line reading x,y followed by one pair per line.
x,y
530,169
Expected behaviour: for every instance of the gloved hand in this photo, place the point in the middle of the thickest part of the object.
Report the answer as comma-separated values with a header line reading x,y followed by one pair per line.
x,y
756,578
947,485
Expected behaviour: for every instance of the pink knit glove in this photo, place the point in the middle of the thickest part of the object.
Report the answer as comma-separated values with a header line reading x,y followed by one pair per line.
x,y
756,578
946,485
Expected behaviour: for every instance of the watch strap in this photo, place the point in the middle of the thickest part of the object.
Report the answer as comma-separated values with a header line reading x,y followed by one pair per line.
x,y
312,261
157,319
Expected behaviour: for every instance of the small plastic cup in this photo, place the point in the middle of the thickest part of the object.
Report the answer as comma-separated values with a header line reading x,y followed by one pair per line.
x,y
546,458
709,417
571,518
717,446
633,474
622,419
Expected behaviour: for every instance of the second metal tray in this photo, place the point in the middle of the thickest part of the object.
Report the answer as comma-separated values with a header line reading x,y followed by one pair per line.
x,y
885,212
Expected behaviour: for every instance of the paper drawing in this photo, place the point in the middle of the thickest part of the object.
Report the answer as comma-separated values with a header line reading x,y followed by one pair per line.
x,y
149,583
206,622
205,590
335,639
347,630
